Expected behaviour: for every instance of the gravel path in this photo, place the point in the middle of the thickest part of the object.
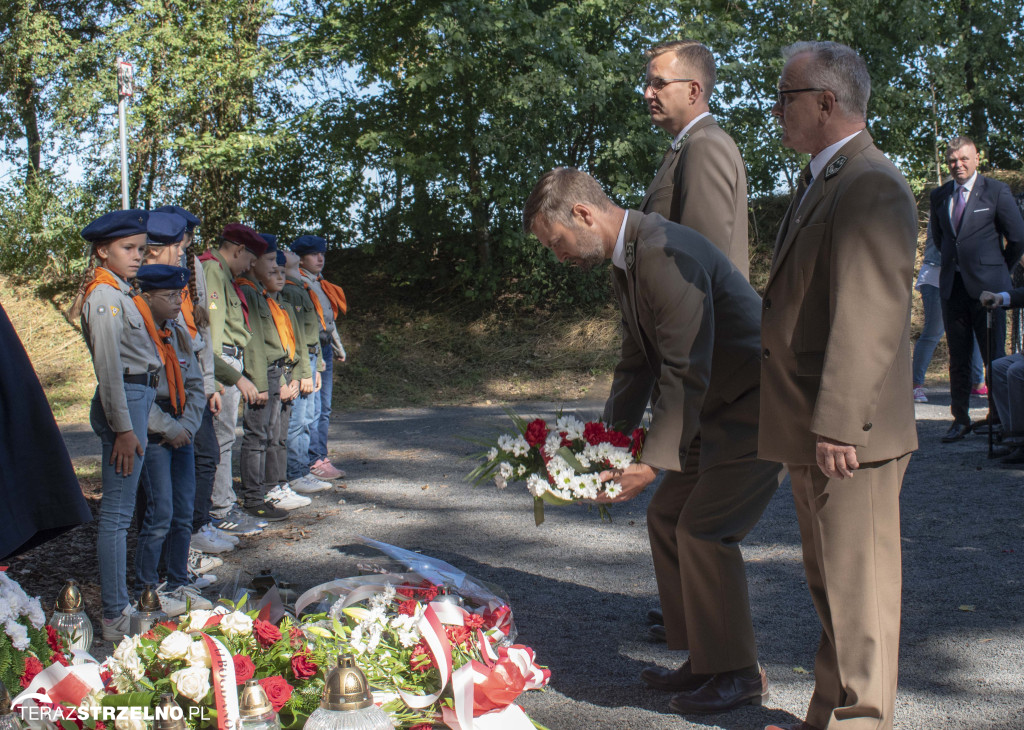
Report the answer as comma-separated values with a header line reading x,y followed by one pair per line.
x,y
580,588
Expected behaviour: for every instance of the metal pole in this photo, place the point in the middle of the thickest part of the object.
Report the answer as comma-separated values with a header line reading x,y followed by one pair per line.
x,y
122,103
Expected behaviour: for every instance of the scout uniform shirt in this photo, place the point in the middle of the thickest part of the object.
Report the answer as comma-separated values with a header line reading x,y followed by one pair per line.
x,y
328,326
258,354
162,422
227,320
307,330
119,344
202,343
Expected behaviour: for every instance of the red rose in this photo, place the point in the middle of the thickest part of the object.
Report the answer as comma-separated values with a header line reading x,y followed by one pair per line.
x,y
278,691
53,639
59,658
408,608
32,667
639,435
244,668
536,433
303,668
474,621
106,675
594,433
266,633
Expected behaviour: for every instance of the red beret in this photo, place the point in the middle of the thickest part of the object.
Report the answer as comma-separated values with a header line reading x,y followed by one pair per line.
x,y
245,236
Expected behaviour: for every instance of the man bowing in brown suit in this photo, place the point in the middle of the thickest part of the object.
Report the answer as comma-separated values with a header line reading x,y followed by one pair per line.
x,y
836,404
690,345
702,182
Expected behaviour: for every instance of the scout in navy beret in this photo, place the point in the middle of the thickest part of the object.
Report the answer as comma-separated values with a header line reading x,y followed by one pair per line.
x,y
242,235
161,276
190,220
165,229
116,224
281,259
271,240
309,244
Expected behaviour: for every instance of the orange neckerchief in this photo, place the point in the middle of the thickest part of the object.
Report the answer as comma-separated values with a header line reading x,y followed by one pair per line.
x,y
169,356
101,276
187,309
316,301
336,296
281,322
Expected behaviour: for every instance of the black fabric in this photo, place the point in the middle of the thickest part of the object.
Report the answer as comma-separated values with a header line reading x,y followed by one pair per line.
x,y
40,497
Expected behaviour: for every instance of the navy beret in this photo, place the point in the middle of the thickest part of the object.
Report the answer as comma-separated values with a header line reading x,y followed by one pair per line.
x,y
245,236
309,244
281,260
271,240
164,229
161,276
190,220
116,224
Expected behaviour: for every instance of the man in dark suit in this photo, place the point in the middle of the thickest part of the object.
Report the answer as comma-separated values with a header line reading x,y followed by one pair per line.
x,y
702,182
970,216
836,400
690,346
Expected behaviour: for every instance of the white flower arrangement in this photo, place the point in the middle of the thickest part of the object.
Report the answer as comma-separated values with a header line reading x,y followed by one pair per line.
x,y
15,605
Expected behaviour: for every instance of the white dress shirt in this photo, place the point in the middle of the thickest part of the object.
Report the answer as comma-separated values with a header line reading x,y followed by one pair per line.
x,y
678,140
969,185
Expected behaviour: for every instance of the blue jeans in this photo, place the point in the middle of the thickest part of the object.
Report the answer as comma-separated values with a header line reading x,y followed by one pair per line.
x,y
207,452
170,486
318,431
299,425
118,501
932,332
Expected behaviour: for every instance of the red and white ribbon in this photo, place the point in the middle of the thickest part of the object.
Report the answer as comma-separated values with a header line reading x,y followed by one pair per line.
x,y
225,688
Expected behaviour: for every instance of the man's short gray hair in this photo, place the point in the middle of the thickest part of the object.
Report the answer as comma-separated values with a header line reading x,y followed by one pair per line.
x,y
557,192
695,56
836,68
961,141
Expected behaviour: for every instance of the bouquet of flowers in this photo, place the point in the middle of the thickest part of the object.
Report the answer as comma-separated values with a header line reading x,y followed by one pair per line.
x,y
560,464
26,644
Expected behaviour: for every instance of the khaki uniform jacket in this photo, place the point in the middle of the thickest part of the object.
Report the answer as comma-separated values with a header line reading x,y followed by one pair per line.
x,y
307,334
703,185
690,344
265,346
163,424
227,322
836,315
203,345
332,334
119,344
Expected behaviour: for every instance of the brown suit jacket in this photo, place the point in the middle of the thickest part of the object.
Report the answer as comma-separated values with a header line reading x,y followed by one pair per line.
x,y
690,345
835,324
703,185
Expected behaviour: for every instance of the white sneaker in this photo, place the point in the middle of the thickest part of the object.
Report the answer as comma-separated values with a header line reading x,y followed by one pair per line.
x,y
171,602
295,495
199,563
308,484
200,582
190,595
205,542
221,535
284,498
115,629
919,396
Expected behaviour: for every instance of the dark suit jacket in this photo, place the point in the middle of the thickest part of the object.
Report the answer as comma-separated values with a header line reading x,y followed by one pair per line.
x,y
690,344
836,318
990,216
703,185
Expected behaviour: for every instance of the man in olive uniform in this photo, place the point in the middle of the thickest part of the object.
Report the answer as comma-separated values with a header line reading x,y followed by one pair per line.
x,y
230,333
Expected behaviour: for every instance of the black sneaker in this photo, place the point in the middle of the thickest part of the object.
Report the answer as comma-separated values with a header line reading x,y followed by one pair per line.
x,y
266,511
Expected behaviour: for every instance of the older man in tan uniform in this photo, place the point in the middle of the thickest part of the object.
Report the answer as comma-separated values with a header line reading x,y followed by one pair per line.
x,y
702,182
690,345
836,404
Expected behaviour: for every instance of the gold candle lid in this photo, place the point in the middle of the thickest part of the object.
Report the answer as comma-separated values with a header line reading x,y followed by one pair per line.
x,y
149,600
345,687
69,600
253,700
5,700
166,717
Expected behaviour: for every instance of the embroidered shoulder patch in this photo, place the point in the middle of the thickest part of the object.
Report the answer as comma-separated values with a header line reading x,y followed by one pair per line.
x,y
214,295
835,166
630,254
213,305
101,309
114,311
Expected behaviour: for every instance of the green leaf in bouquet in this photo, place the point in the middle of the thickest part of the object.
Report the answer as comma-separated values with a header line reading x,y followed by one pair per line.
x,y
129,699
317,631
570,458
538,511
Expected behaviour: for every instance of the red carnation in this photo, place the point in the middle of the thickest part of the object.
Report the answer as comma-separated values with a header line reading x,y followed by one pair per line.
x,y
53,639
406,590
32,667
457,634
639,435
617,438
303,668
428,591
536,433
566,441
278,691
244,668
266,633
474,621
408,608
59,658
421,660
594,433
422,726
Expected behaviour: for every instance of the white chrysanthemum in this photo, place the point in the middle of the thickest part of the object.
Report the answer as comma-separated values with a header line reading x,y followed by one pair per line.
x,y
612,489
376,631
520,447
6,610
520,471
620,458
492,454
356,640
35,613
505,443
552,444
583,460
383,599
18,634
536,485
572,426
590,485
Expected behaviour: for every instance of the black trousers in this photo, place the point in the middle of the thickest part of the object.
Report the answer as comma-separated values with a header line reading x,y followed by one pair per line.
x,y
964,318
259,424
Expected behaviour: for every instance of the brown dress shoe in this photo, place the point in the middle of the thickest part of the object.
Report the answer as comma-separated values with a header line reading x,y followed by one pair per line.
x,y
673,680
791,726
657,633
654,616
722,693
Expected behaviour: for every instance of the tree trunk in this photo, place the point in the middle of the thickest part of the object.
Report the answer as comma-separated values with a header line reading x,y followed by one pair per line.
x,y
28,99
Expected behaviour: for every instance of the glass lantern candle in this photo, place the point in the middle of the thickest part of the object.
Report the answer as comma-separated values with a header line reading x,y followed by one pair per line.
x,y
8,719
69,618
148,612
254,709
347,703
168,714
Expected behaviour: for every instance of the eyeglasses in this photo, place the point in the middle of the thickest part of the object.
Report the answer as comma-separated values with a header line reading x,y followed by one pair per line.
x,y
657,84
168,296
780,94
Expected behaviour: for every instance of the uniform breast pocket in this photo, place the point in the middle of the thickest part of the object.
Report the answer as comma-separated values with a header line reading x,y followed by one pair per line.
x,y
134,320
